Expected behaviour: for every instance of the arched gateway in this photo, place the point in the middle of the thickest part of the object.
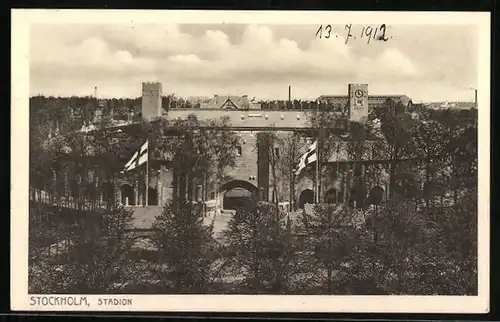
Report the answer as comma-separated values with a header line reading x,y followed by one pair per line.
x,y
236,193
306,197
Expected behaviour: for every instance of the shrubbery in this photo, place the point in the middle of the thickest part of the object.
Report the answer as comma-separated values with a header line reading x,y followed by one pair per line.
x,y
401,250
93,257
421,240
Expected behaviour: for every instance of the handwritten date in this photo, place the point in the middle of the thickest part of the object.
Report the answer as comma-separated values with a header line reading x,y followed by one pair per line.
x,y
366,32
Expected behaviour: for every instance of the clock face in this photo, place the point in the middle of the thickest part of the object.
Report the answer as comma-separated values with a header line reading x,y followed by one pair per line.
x,y
358,93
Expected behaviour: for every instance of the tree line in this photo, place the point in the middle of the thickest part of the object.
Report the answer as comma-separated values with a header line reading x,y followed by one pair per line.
x,y
414,242
399,250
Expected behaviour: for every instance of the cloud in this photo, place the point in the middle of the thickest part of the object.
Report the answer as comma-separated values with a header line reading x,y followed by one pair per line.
x,y
124,56
390,63
195,64
185,59
395,62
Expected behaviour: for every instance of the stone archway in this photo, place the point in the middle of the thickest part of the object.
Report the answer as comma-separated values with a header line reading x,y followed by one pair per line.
x,y
237,193
306,197
239,184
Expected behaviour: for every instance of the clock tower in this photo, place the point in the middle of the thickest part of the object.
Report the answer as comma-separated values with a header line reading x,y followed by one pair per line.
x,y
358,101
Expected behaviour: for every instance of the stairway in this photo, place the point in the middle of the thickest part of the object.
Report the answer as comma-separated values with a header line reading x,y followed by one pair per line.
x,y
220,222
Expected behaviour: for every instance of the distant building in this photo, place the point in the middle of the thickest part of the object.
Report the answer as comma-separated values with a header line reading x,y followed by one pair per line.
x,y
461,105
374,101
197,100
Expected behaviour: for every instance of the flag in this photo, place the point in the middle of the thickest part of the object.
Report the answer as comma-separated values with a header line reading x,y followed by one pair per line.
x,y
310,156
138,158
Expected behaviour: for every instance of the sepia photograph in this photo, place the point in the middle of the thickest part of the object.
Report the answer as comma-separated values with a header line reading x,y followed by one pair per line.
x,y
249,157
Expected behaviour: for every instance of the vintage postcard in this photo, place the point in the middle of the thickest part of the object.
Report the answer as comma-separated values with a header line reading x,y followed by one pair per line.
x,y
250,161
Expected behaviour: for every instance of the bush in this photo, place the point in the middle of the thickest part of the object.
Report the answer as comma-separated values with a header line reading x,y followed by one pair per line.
x,y
95,259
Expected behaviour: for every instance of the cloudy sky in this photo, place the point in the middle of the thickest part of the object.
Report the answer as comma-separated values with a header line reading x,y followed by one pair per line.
x,y
429,63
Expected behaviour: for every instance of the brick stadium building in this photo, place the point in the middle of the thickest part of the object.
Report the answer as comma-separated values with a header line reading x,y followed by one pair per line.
x,y
252,172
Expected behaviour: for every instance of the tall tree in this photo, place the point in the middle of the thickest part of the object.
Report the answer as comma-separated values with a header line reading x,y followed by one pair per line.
x,y
357,146
328,126
291,146
398,144
187,248
331,238
260,247
272,143
195,148
431,142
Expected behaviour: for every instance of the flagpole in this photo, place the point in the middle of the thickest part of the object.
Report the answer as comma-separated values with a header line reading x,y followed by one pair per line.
x,y
317,173
147,175
318,177
147,182
292,189
204,195
337,172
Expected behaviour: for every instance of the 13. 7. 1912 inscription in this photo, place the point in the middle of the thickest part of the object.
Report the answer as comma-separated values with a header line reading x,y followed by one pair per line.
x,y
363,32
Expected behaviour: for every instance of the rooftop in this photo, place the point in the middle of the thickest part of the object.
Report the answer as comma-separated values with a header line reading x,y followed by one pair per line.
x,y
229,101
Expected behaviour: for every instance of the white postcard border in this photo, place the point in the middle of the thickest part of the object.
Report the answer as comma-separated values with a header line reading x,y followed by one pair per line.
x,y
21,300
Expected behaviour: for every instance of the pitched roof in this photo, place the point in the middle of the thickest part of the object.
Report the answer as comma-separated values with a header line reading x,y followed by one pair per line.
x,y
229,104
238,102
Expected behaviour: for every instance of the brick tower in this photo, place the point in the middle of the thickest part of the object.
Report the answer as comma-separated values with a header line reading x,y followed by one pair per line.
x,y
151,100
358,101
